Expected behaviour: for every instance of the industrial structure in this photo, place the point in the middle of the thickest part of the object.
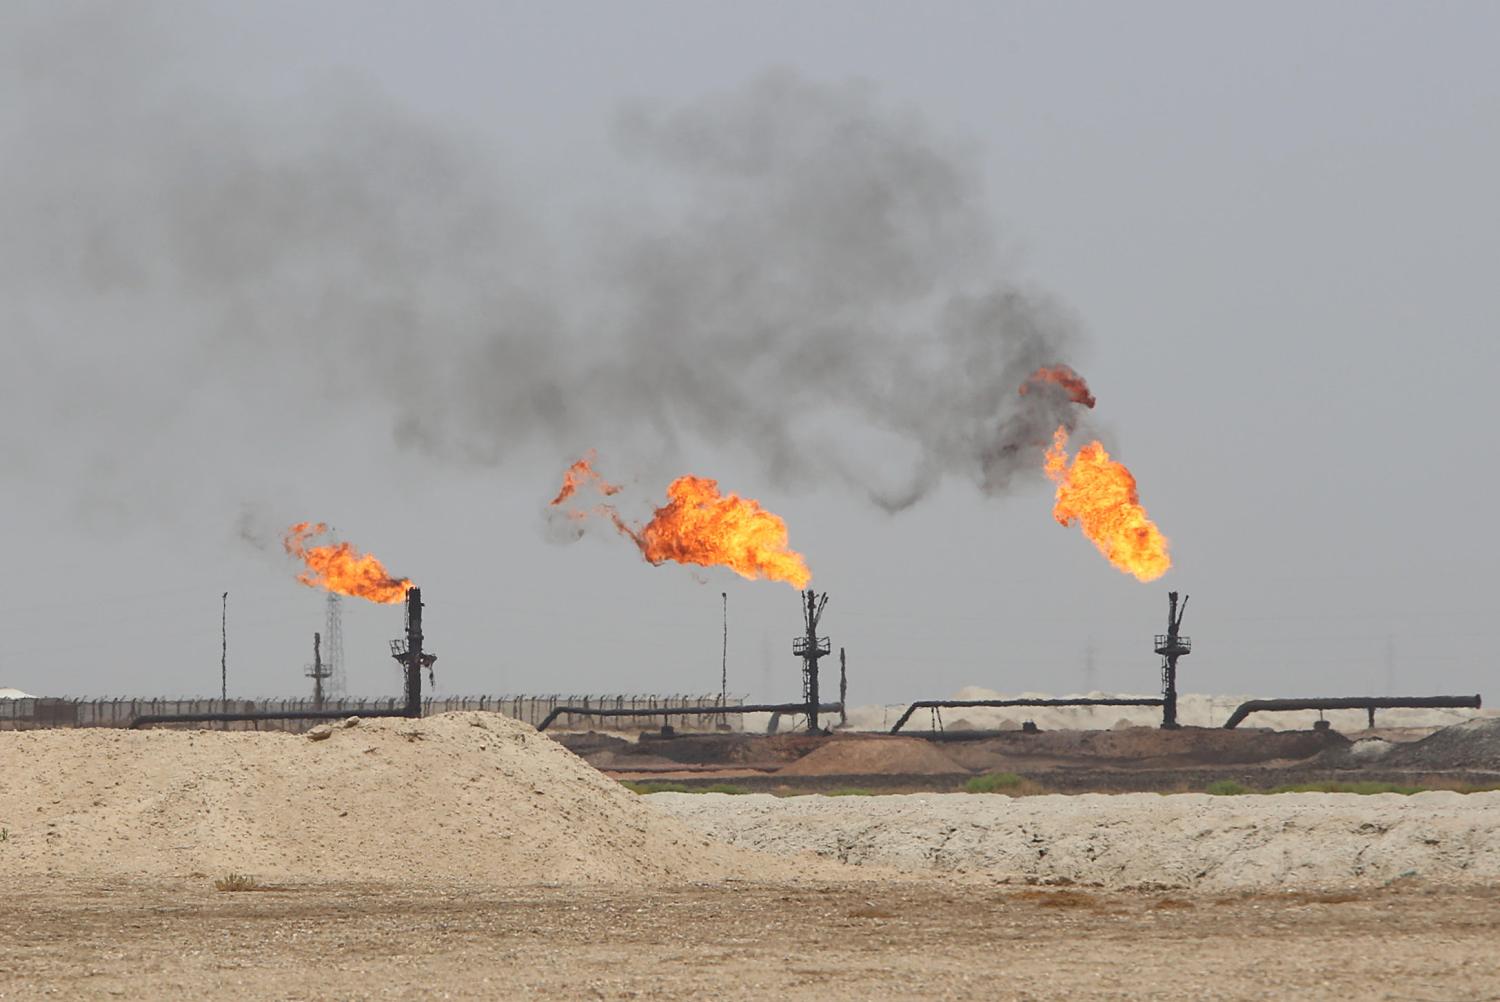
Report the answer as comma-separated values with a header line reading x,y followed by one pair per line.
x,y
1367,703
1171,646
318,671
406,650
810,647
333,646
946,704
408,653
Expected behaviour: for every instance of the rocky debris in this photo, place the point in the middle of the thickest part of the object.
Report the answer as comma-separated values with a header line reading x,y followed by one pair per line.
x,y
1471,745
1141,841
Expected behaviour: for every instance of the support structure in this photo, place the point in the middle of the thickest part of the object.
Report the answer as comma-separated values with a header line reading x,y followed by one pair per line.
x,y
1367,703
724,660
1171,646
408,653
333,646
666,712
318,671
940,704
810,647
843,690
224,648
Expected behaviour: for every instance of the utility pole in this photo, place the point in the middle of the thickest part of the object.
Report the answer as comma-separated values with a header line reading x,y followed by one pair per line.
x,y
224,649
810,647
409,654
1171,646
843,690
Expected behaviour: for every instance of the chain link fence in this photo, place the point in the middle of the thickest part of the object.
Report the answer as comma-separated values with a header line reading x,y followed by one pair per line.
x,y
34,713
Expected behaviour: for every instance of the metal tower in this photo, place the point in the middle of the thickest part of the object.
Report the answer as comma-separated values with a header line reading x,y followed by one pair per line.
x,y
318,671
724,666
843,690
1171,646
333,629
810,647
409,654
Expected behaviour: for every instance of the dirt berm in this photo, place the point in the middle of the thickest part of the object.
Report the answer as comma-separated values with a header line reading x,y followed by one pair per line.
x,y
1474,745
461,796
874,755
1133,840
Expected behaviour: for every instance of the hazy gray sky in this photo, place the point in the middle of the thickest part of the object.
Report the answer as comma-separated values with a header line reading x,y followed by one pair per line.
x,y
394,266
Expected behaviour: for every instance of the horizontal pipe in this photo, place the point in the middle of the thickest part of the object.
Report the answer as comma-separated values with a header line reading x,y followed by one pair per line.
x,y
195,718
685,711
1351,703
943,704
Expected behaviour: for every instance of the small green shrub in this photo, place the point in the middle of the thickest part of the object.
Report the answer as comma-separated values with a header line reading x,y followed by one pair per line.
x,y
995,782
1226,788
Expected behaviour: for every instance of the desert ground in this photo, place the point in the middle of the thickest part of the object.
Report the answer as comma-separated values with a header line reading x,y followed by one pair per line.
x,y
466,856
890,939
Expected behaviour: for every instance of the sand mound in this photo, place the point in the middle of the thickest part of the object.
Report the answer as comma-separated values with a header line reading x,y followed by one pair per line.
x,y
1130,840
470,796
1472,745
871,756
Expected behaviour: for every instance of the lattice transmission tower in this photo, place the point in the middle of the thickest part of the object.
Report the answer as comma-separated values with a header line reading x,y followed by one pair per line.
x,y
333,633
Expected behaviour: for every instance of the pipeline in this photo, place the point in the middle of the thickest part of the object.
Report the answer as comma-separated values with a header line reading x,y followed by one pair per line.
x,y
195,718
943,704
685,711
1368,703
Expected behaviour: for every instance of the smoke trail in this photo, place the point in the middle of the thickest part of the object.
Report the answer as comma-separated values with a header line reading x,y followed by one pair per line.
x,y
813,279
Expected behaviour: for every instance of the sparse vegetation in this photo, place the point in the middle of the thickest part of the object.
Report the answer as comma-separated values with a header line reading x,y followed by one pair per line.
x,y
1364,787
851,791
653,787
236,882
723,788
1007,783
665,787
4,834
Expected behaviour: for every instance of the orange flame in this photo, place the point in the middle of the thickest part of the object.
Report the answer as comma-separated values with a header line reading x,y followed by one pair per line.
x,y
700,526
579,474
1064,376
1099,494
340,568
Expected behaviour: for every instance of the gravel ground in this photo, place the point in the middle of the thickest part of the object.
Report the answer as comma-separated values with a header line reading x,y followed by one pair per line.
x,y
1127,840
